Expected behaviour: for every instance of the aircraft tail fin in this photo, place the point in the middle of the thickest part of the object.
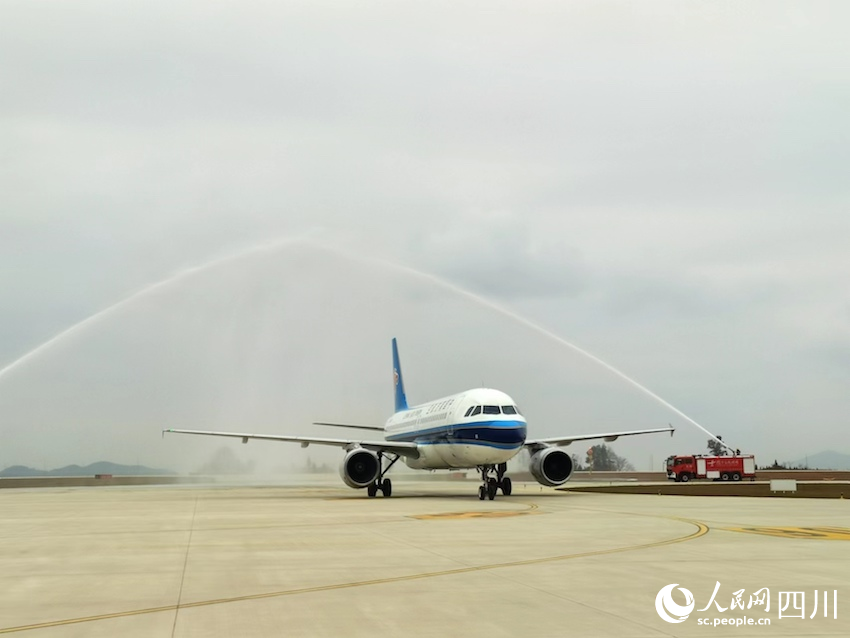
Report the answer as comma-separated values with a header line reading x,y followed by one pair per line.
x,y
398,382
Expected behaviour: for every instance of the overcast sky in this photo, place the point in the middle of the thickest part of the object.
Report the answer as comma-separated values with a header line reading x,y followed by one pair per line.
x,y
665,184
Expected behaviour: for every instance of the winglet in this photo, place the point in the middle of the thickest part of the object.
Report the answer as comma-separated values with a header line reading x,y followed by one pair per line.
x,y
398,382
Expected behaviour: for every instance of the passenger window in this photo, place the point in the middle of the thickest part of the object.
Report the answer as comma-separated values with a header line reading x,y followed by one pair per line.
x,y
491,409
508,409
476,410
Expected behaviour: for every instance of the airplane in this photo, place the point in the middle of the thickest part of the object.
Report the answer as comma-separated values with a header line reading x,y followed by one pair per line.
x,y
481,428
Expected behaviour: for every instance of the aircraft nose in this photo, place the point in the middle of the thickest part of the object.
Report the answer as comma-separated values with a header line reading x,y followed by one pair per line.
x,y
520,433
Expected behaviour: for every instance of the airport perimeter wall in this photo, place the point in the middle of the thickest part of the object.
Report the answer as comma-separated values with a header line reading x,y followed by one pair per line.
x,y
762,476
91,481
810,489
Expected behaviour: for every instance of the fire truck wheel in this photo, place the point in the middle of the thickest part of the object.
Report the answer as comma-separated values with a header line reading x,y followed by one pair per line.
x,y
736,477
685,477
724,476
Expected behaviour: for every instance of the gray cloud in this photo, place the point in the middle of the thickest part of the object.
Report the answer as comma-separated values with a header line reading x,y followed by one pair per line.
x,y
662,183
501,255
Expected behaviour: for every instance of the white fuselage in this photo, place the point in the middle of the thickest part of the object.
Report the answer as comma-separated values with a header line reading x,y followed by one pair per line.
x,y
476,427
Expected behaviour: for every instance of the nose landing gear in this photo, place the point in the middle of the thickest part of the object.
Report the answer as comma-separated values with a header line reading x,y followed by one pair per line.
x,y
490,485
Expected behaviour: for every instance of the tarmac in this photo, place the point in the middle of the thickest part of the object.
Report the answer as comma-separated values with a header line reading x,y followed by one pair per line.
x,y
323,560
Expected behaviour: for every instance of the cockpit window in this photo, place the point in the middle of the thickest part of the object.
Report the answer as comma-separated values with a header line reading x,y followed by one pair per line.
x,y
476,410
469,411
492,409
508,409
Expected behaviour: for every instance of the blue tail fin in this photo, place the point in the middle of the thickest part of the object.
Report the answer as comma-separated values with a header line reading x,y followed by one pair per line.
x,y
398,382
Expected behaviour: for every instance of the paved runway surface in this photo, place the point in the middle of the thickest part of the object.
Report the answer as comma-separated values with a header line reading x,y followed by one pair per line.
x,y
432,560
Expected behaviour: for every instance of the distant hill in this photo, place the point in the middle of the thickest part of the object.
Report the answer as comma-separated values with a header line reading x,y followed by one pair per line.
x,y
101,467
19,471
826,460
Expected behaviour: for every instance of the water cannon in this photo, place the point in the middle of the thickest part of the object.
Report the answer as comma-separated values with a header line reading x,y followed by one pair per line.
x,y
733,451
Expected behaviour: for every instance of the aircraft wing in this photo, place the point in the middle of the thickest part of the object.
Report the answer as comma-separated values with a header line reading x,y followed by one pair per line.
x,y
535,444
400,448
376,428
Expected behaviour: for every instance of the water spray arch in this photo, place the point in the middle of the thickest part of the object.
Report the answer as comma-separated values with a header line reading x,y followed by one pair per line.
x,y
535,328
143,292
281,243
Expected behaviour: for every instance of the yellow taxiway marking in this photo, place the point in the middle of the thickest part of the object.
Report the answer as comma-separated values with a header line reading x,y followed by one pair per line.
x,y
457,515
532,509
817,533
701,530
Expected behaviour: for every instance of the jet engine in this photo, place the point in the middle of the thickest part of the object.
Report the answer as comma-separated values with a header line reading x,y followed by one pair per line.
x,y
360,468
551,466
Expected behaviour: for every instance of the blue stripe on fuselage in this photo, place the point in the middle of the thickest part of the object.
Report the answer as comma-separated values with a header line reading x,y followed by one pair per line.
x,y
501,434
498,446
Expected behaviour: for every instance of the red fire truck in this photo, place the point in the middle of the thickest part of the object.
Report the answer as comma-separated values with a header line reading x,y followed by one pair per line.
x,y
719,468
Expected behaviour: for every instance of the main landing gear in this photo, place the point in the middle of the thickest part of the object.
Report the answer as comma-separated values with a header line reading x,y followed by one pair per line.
x,y
385,485
491,484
